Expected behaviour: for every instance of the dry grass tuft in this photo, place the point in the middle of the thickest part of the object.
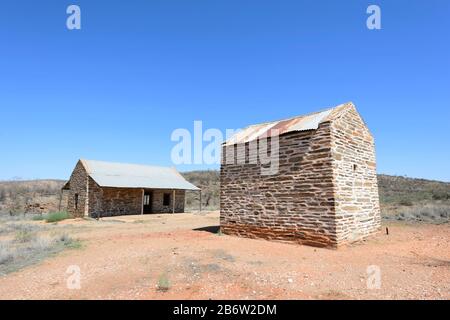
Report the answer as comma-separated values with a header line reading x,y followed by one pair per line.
x,y
24,243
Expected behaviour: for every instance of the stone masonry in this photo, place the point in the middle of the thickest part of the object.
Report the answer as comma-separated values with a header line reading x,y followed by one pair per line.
x,y
324,194
87,198
78,190
158,205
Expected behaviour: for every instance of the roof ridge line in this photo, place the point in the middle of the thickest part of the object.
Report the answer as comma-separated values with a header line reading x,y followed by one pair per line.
x,y
298,116
309,121
126,163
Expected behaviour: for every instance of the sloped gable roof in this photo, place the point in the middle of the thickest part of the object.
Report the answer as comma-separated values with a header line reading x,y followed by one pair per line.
x,y
123,175
277,128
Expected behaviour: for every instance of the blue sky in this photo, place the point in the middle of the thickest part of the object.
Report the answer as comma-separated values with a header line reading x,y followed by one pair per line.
x,y
116,89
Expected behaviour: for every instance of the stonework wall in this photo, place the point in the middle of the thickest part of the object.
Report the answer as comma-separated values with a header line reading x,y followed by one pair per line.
x,y
158,197
300,202
355,178
296,204
106,202
116,202
95,201
78,185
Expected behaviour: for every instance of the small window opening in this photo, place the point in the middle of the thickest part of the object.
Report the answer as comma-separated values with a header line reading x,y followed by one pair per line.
x,y
76,201
146,200
355,167
166,199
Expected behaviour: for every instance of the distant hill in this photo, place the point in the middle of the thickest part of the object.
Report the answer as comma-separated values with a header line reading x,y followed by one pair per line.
x,y
43,195
29,196
394,190
403,190
209,182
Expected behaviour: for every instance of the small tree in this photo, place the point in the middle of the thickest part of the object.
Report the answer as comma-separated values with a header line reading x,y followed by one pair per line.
x,y
16,205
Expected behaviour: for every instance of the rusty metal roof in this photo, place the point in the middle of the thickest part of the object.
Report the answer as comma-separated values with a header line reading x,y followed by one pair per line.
x,y
122,175
277,128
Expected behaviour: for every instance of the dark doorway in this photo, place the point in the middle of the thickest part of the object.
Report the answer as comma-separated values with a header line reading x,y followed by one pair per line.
x,y
148,196
166,199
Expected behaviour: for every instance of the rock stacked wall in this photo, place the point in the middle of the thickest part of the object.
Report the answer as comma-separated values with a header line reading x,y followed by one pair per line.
x,y
315,198
355,179
107,202
96,201
158,201
78,190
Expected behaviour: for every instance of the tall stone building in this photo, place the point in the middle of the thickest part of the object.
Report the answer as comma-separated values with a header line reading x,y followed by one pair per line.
x,y
100,189
323,191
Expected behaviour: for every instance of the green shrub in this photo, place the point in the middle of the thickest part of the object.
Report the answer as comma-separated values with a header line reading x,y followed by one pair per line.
x,y
68,241
440,195
406,202
56,216
23,236
38,217
163,283
74,244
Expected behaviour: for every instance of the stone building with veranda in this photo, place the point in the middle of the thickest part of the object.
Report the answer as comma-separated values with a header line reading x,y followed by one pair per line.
x,y
101,189
324,192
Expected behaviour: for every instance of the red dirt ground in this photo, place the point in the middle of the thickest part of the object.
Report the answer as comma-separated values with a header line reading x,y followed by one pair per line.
x,y
126,258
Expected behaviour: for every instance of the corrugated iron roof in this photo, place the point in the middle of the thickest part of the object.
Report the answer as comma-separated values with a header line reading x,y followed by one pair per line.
x,y
277,128
122,175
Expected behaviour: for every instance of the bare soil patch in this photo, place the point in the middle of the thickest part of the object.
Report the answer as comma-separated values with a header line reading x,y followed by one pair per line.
x,y
135,257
